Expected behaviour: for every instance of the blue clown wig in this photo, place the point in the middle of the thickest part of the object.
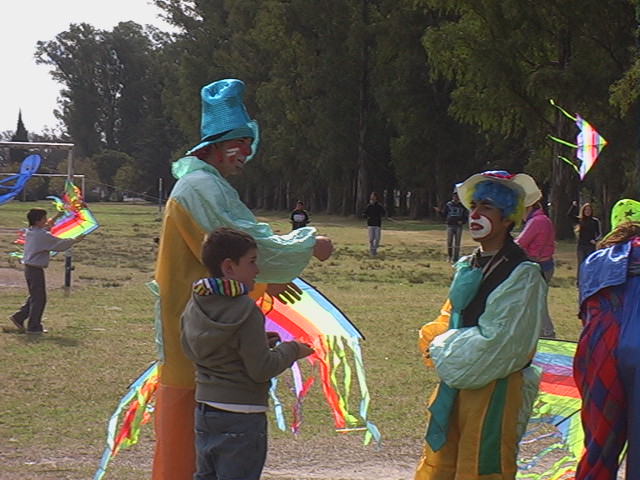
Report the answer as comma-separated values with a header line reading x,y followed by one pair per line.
x,y
506,199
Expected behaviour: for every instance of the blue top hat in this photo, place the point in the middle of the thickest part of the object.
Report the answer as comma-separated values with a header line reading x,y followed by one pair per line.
x,y
224,116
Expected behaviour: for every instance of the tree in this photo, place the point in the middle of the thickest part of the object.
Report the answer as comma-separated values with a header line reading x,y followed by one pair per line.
x,y
112,100
16,155
507,59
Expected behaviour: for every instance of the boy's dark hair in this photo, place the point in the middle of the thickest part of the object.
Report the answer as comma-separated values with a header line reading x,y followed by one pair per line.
x,y
35,215
224,242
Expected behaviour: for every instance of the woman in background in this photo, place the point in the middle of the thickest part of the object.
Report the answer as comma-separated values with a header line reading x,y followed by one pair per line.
x,y
589,232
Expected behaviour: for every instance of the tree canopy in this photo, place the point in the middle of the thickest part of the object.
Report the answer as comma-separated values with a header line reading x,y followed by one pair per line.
x,y
356,96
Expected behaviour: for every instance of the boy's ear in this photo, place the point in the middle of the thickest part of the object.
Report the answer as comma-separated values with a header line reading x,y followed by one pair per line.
x,y
227,266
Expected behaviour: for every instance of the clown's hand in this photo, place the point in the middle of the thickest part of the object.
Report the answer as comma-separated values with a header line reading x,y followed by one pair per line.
x,y
287,293
427,333
323,248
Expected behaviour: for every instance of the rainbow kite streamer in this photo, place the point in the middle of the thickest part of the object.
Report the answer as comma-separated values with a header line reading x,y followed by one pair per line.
x,y
139,405
589,144
555,420
314,320
12,185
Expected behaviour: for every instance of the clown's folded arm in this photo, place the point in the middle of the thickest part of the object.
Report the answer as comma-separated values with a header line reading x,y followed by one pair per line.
x,y
504,339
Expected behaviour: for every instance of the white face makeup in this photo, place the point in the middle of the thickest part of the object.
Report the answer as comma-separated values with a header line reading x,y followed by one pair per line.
x,y
235,158
229,152
480,227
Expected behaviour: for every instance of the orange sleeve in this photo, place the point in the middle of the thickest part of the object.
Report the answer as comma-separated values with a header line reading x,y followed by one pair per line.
x,y
431,330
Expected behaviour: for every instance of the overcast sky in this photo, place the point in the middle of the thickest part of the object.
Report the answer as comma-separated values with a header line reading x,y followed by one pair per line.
x,y
28,87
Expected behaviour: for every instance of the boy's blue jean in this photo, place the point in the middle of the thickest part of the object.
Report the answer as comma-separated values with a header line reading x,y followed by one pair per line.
x,y
229,446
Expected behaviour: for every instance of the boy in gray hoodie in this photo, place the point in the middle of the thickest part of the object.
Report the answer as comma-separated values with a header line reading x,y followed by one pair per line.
x,y
223,333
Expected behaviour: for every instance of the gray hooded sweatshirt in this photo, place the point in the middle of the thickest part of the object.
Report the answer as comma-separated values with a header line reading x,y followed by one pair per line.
x,y
225,338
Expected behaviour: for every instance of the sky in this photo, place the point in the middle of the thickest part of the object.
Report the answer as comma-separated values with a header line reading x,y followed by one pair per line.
x,y
27,87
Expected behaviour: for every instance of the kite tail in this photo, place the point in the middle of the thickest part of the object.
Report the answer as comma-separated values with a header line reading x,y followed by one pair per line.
x,y
277,404
296,421
340,364
139,399
342,367
372,430
331,396
575,167
567,114
563,142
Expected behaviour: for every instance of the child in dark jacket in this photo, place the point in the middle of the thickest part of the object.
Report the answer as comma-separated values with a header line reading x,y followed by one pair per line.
x,y
223,333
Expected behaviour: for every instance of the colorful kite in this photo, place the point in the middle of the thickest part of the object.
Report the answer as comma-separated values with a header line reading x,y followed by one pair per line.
x,y
75,219
554,443
11,186
138,403
312,319
589,144
315,320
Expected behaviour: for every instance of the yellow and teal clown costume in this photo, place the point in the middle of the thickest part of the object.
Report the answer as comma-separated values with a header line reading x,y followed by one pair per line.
x,y
200,201
481,346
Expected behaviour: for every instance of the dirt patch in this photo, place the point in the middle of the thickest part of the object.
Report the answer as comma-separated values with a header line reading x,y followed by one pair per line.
x,y
12,275
341,458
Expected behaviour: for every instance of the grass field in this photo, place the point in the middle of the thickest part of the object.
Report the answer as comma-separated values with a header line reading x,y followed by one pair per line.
x,y
58,391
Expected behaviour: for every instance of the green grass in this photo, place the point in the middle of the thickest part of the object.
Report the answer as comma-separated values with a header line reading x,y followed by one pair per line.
x,y
57,392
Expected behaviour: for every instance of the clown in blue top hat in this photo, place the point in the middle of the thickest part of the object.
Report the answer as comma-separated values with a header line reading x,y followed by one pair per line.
x,y
224,117
202,200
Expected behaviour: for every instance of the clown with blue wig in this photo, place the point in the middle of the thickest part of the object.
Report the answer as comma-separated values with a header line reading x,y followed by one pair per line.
x,y
482,343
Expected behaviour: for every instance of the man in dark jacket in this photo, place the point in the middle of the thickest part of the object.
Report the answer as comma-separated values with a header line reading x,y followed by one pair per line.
x,y
374,213
455,215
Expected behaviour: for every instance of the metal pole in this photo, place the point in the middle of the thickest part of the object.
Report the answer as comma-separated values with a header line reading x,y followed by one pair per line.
x,y
68,255
159,195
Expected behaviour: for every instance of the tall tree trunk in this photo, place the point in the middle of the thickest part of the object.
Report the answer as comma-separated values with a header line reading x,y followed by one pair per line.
x,y
564,184
362,185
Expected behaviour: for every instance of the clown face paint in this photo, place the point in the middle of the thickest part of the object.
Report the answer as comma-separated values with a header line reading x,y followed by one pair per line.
x,y
232,156
480,227
487,225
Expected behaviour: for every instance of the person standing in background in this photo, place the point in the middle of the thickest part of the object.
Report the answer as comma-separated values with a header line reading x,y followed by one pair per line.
x,y
589,231
455,215
538,239
573,212
374,213
299,216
